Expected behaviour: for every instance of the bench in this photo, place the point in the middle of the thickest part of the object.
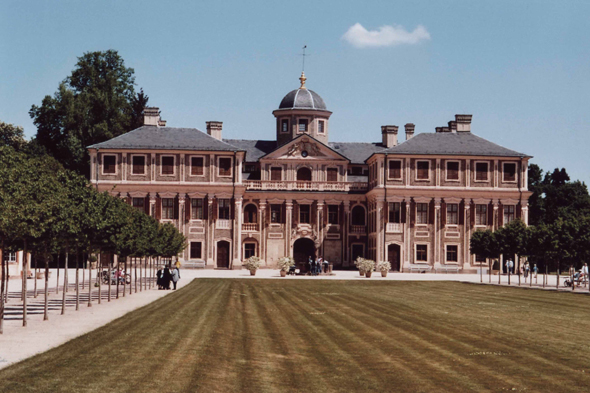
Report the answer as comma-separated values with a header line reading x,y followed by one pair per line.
x,y
447,269
194,264
420,268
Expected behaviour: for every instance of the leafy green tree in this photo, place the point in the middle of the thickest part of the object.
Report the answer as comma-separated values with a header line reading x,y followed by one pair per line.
x,y
13,136
95,103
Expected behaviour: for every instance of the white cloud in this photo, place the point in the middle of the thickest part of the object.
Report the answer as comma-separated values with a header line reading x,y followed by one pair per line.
x,y
360,37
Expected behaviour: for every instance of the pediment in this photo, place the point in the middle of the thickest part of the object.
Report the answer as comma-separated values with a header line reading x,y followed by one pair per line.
x,y
304,148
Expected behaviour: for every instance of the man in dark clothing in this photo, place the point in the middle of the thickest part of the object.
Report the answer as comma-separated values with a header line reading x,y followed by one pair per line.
x,y
166,278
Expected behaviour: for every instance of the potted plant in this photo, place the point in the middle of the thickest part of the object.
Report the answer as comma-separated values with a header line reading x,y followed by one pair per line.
x,y
368,267
284,264
359,264
384,267
252,264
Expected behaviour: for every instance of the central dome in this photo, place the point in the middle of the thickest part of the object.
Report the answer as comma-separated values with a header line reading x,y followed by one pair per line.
x,y
303,98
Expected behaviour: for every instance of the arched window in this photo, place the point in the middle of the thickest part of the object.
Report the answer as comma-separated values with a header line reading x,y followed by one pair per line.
x,y
250,214
304,174
358,215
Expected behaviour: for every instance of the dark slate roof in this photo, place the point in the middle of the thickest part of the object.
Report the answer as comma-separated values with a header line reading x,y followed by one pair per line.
x,y
302,99
356,152
254,149
152,137
452,143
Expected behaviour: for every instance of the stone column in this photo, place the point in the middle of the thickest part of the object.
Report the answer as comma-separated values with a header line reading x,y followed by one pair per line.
x,y
320,226
437,232
238,233
494,224
525,214
262,226
407,236
182,228
467,233
380,222
345,241
288,224
210,230
153,204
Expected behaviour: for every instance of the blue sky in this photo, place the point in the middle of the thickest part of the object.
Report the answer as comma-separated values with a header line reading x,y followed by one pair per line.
x,y
522,68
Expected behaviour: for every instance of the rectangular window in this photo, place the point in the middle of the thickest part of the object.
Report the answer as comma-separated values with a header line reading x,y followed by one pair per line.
x,y
509,172
249,250
224,208
138,163
109,165
333,214
275,214
481,214
395,209
481,171
452,214
196,209
302,125
421,253
168,208
508,214
452,254
276,173
395,169
10,257
422,213
197,166
422,170
196,250
168,165
304,216
225,167
285,125
139,203
332,174
321,126
452,170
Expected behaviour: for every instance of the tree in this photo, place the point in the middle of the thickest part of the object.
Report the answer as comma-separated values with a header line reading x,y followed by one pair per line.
x,y
95,103
13,136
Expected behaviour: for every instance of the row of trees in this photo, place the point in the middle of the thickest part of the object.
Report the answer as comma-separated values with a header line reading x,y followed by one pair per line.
x,y
46,210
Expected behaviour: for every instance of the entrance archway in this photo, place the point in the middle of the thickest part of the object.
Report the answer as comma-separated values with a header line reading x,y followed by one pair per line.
x,y
303,249
223,254
393,256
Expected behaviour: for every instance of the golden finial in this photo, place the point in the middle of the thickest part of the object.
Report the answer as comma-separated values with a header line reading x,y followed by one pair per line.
x,y
302,79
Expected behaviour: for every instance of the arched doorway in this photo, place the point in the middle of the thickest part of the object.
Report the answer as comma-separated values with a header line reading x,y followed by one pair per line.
x,y
223,254
302,249
304,174
358,215
393,256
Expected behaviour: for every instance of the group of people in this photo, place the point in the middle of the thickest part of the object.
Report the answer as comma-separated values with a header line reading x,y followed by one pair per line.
x,y
525,269
165,276
316,265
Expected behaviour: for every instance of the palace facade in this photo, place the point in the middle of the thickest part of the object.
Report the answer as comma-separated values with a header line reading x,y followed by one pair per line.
x,y
414,203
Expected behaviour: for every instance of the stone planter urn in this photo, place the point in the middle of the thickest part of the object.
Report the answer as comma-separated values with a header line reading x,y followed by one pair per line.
x,y
252,272
383,273
368,274
283,273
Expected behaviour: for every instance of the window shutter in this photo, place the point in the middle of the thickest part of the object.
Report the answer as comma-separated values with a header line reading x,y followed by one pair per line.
x,y
500,215
412,213
519,211
206,208
443,214
431,212
187,209
491,214
403,212
462,212
158,208
146,205
176,208
472,213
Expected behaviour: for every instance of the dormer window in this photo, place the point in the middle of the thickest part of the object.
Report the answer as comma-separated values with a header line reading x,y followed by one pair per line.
x,y
303,123
285,125
321,127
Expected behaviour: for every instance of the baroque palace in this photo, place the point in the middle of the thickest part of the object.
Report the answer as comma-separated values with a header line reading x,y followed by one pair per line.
x,y
414,203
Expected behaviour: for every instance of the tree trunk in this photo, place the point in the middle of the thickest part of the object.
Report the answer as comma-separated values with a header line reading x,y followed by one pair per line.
x,y
36,270
140,275
130,287
490,270
109,275
117,278
57,285
98,276
77,280
65,290
46,305
83,275
124,278
2,280
558,266
89,283
135,274
24,292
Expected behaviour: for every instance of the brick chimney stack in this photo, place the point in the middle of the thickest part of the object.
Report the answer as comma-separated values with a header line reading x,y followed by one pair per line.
x,y
389,135
151,116
214,129
463,123
409,130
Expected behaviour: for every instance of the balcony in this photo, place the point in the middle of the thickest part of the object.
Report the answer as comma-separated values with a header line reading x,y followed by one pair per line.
x,y
273,185
223,224
250,227
358,229
394,227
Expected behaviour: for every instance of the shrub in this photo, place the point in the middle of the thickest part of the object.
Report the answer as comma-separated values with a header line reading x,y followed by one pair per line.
x,y
253,263
359,262
384,266
367,265
285,263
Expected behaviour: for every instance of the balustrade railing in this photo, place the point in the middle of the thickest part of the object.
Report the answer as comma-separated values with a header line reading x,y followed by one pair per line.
x,y
250,227
394,227
264,185
223,224
358,229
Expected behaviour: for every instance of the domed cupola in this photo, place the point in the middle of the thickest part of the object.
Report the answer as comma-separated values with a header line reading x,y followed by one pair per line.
x,y
302,111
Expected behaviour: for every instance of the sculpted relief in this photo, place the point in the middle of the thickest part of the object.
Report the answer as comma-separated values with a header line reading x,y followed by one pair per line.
x,y
304,149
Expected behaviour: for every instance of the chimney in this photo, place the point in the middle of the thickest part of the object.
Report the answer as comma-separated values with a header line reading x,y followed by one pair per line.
x,y
389,134
151,116
463,123
453,126
214,129
442,129
409,130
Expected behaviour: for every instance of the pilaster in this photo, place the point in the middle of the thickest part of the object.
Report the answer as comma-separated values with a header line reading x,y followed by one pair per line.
x,y
288,225
237,262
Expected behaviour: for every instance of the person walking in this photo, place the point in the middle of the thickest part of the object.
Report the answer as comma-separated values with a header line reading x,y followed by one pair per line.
x,y
160,277
175,276
584,274
526,270
535,272
166,278
311,265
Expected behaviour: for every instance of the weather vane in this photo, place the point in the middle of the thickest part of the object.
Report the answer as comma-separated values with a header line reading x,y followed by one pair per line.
x,y
303,56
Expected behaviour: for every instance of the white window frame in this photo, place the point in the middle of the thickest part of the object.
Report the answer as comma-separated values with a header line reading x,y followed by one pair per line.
x,y
231,165
298,130
11,257
416,253
283,121
515,172
504,221
447,214
486,215
189,250
116,165
173,164
416,176
204,206
458,179
447,262
162,209
190,173
244,249
323,132
401,170
427,213
145,159
475,171
219,209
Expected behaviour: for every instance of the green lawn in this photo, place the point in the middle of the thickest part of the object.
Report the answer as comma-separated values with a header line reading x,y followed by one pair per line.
x,y
233,335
